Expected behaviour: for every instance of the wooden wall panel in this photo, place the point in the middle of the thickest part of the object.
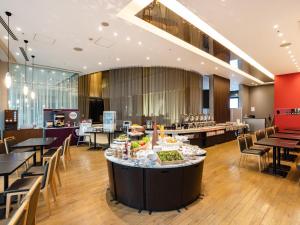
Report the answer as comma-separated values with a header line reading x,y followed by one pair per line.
x,y
221,95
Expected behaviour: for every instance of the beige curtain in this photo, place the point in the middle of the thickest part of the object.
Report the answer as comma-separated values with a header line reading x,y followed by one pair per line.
x,y
167,93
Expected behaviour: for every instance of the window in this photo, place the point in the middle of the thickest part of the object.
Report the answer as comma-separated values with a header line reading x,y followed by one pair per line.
x,y
53,89
234,103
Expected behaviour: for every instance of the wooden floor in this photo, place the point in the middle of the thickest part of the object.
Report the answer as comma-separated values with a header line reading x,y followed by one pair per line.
x,y
232,195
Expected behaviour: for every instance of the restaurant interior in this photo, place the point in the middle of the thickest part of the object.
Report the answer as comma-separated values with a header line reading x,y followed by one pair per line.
x,y
149,112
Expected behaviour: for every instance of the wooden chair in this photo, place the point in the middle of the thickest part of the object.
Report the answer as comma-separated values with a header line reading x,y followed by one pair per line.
x,y
245,152
20,217
260,134
39,170
68,147
276,129
63,153
270,131
250,145
21,186
10,141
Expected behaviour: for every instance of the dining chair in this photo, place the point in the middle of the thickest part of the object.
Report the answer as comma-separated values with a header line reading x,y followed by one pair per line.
x,y
21,186
80,132
39,170
29,189
250,145
276,129
270,131
260,134
10,141
245,152
63,153
20,216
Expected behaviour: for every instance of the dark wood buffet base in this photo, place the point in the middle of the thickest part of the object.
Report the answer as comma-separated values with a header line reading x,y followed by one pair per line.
x,y
203,141
154,189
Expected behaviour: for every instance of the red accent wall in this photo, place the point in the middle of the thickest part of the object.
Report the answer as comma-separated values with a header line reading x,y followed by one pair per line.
x,y
287,95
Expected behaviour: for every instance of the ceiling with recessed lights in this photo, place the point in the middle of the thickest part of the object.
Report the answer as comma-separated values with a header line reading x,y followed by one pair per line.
x,y
104,40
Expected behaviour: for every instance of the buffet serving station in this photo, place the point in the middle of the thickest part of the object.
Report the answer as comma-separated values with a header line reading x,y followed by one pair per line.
x,y
208,135
156,178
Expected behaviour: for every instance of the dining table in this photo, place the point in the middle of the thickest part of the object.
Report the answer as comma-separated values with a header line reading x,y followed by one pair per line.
x,y
276,168
284,131
288,136
36,144
9,163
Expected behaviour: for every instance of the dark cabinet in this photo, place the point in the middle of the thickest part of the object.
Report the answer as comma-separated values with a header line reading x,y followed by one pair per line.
x,y
129,185
163,188
192,179
111,179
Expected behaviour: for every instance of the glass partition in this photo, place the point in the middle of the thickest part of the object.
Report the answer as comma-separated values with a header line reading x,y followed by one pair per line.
x,y
53,89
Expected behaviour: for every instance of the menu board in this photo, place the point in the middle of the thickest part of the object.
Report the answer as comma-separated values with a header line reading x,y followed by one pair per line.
x,y
109,121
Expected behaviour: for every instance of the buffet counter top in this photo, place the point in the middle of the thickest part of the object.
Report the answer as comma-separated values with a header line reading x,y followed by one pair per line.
x,y
201,129
155,165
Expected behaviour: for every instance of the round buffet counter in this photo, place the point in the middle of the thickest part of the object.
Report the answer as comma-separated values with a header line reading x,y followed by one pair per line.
x,y
155,187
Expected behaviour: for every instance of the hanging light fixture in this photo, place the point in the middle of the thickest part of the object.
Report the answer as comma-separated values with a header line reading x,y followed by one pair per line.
x,y
32,94
25,88
7,79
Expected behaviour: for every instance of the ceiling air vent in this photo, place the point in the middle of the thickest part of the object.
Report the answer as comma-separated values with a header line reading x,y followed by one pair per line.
x,y
103,42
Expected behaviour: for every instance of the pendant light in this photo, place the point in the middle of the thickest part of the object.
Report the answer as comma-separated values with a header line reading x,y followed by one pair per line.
x,y
32,94
25,88
7,79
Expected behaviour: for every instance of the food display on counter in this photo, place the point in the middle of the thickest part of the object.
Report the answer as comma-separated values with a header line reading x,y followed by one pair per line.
x,y
168,151
122,138
170,157
139,145
136,130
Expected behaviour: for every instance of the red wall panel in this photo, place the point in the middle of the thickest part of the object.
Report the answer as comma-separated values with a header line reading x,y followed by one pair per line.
x,y
287,95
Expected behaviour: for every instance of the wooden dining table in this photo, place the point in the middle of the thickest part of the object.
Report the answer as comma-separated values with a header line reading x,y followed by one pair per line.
x,y
36,143
276,168
288,136
289,131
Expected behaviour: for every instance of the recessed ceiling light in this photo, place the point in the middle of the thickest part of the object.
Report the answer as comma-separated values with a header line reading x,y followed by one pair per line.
x,y
30,49
105,24
18,29
77,49
148,58
63,73
99,63
17,66
280,34
178,59
42,71
202,63
17,53
84,67
115,34
53,73
100,28
294,60
292,56
276,26
139,43
118,59
128,38
5,37
216,68
290,52
283,41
